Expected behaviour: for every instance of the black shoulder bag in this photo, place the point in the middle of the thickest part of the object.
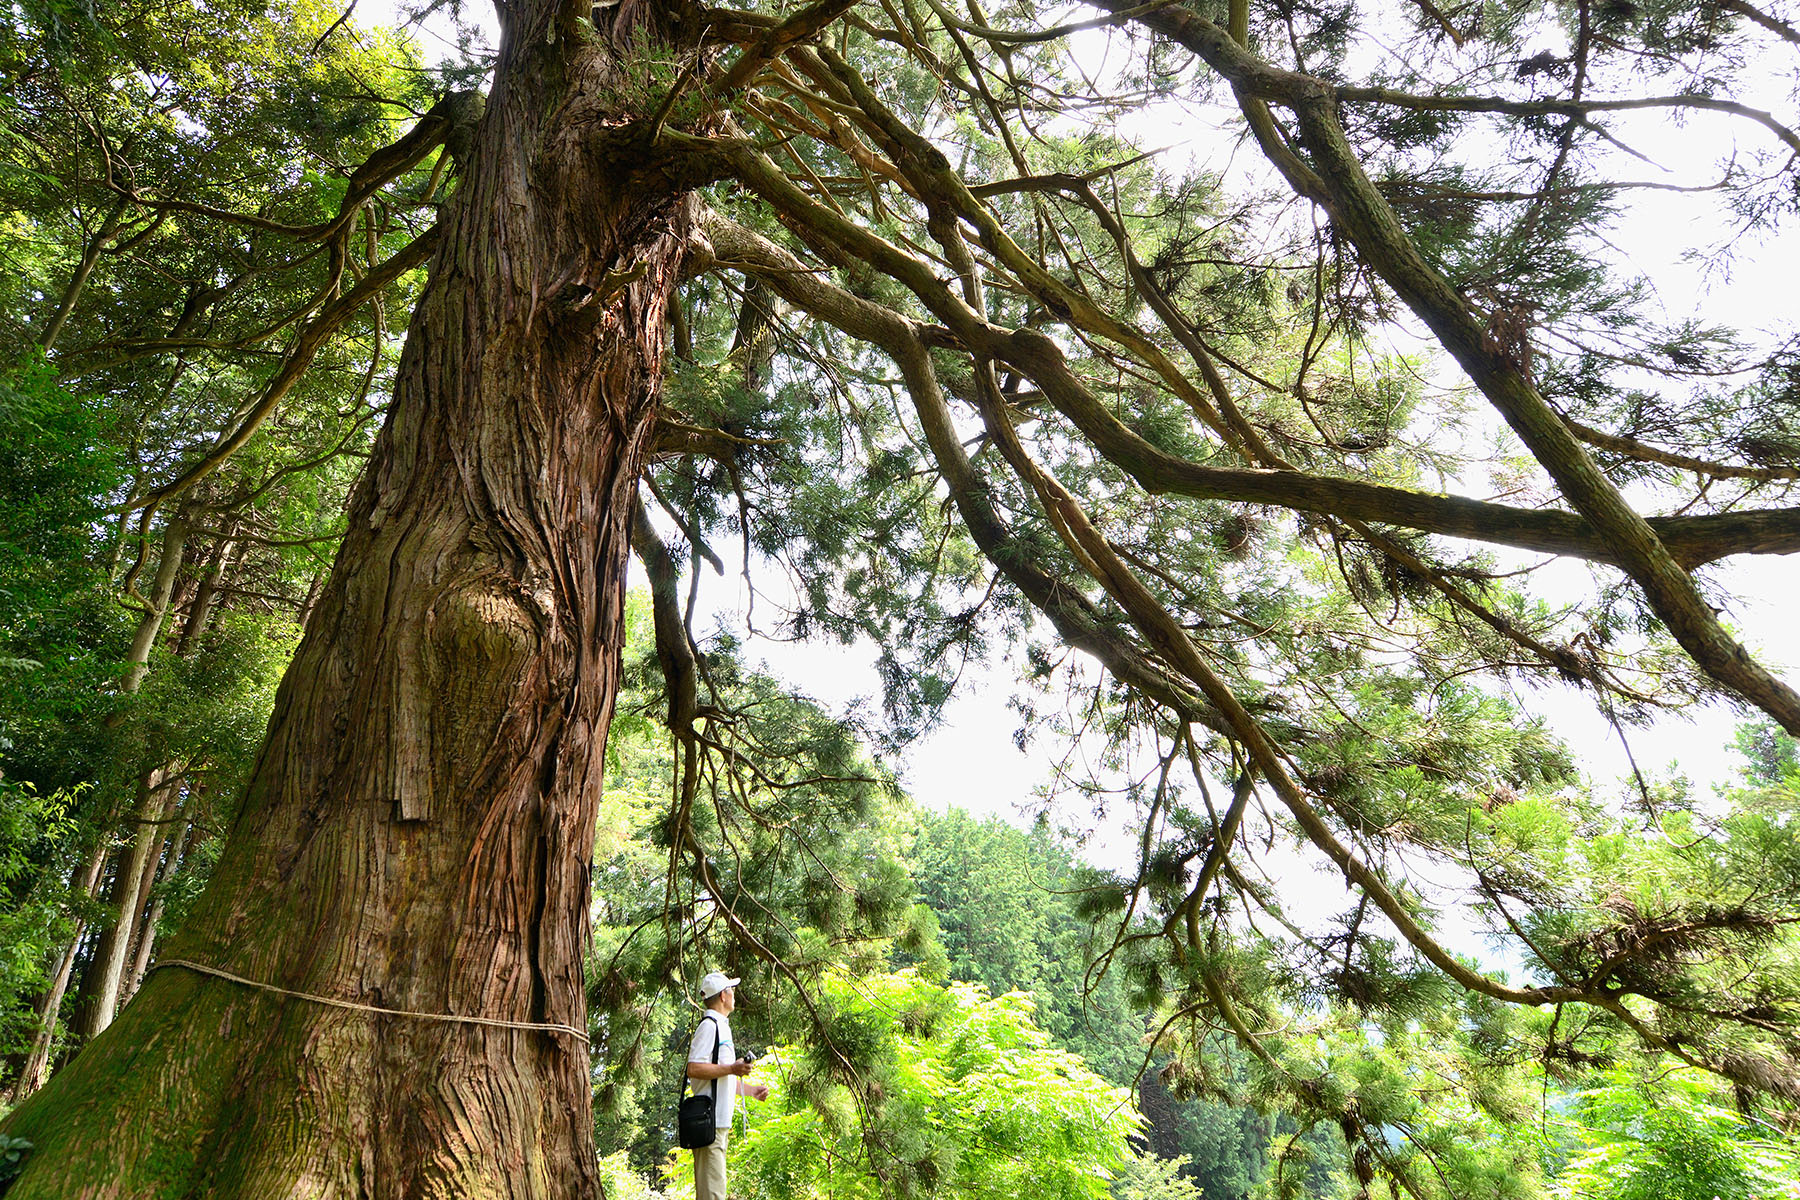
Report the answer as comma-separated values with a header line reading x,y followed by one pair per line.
x,y
694,1119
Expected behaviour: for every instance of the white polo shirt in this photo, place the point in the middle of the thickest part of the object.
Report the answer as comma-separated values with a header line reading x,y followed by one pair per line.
x,y
724,1092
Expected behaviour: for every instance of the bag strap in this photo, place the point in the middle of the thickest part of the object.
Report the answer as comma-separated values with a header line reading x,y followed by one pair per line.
x,y
687,1080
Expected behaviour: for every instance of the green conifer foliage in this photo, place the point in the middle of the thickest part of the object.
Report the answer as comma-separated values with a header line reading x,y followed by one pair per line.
x,y
1006,902
803,836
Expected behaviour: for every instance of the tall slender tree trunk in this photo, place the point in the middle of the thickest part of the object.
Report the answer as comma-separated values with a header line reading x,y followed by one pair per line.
x,y
109,225
143,941
206,590
150,622
417,832
313,591
96,997
98,1000
49,1010
175,835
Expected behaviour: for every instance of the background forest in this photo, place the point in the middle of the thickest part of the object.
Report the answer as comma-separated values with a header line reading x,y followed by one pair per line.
x,y
214,225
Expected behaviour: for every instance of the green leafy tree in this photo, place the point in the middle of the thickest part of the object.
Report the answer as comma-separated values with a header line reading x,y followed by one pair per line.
x,y
207,402
1151,1177
1221,1141
1770,759
34,917
1672,1140
60,636
977,1102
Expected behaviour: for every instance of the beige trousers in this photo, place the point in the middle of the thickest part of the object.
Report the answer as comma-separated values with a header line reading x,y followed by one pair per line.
x,y
709,1169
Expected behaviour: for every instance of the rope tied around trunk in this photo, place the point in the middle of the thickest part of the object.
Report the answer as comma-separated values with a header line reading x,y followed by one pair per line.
x,y
334,1002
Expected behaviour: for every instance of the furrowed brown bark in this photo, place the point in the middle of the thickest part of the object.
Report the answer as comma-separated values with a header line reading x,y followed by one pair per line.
x,y
417,832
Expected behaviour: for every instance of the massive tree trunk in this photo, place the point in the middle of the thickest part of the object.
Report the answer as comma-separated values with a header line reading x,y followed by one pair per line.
x,y
417,833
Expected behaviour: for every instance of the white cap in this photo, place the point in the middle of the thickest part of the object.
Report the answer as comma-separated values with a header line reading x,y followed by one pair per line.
x,y
715,982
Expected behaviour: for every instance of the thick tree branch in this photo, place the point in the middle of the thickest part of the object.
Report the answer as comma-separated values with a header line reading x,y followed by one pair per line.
x,y
457,109
299,358
674,649
931,173
1693,540
1566,108
1773,24
1360,211
1079,624
1644,452
109,227
805,24
1165,633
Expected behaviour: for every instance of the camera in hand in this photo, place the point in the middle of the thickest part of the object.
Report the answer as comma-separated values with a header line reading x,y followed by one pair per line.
x,y
749,1056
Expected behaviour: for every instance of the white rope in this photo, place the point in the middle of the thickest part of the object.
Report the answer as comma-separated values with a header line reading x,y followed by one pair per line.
x,y
546,1026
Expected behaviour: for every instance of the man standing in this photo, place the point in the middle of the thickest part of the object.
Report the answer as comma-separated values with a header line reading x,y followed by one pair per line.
x,y
719,991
